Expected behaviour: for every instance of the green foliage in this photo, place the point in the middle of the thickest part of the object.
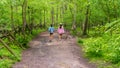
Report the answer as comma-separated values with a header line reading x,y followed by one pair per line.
x,y
106,47
6,63
93,48
113,27
80,41
28,37
100,12
8,58
23,40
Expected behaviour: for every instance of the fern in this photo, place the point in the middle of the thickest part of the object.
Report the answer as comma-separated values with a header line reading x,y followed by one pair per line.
x,y
112,25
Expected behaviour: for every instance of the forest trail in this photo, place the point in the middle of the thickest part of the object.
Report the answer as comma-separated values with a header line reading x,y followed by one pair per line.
x,y
56,54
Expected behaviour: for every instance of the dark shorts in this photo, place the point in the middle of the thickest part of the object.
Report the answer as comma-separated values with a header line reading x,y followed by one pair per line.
x,y
60,34
51,33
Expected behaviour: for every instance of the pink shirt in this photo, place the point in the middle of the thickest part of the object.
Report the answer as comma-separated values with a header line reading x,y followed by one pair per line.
x,y
60,30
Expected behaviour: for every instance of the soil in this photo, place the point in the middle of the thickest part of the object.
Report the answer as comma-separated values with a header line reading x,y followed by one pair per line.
x,y
64,53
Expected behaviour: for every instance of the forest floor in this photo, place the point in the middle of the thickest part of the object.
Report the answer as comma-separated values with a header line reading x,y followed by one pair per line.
x,y
63,53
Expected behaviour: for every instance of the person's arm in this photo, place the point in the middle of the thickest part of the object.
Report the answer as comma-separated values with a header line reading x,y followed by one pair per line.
x,y
49,29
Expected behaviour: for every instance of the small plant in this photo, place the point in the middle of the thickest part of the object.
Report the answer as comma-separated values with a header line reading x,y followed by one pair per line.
x,y
80,41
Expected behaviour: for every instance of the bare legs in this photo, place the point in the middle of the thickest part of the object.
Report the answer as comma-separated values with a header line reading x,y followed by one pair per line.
x,y
60,36
51,36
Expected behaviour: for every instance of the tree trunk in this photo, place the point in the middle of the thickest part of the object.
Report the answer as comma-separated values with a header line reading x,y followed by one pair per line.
x,y
12,18
61,14
74,19
85,24
52,14
108,11
29,14
40,18
44,18
73,13
24,16
57,15
32,18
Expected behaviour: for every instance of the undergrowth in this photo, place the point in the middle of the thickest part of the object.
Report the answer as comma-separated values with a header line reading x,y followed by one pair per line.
x,y
7,59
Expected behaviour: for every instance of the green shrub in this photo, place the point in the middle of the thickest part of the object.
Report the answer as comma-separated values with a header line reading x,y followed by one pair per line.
x,y
106,47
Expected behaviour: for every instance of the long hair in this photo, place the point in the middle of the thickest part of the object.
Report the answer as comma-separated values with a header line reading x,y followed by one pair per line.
x,y
60,26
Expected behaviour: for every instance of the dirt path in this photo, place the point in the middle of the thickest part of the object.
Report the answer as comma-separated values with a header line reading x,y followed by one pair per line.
x,y
56,54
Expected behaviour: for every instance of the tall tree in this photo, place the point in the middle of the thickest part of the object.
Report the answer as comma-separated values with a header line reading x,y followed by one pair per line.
x,y
24,6
12,18
74,17
52,15
44,17
85,24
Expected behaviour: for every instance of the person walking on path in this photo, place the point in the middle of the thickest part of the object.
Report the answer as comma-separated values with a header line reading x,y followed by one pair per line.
x,y
60,31
51,31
